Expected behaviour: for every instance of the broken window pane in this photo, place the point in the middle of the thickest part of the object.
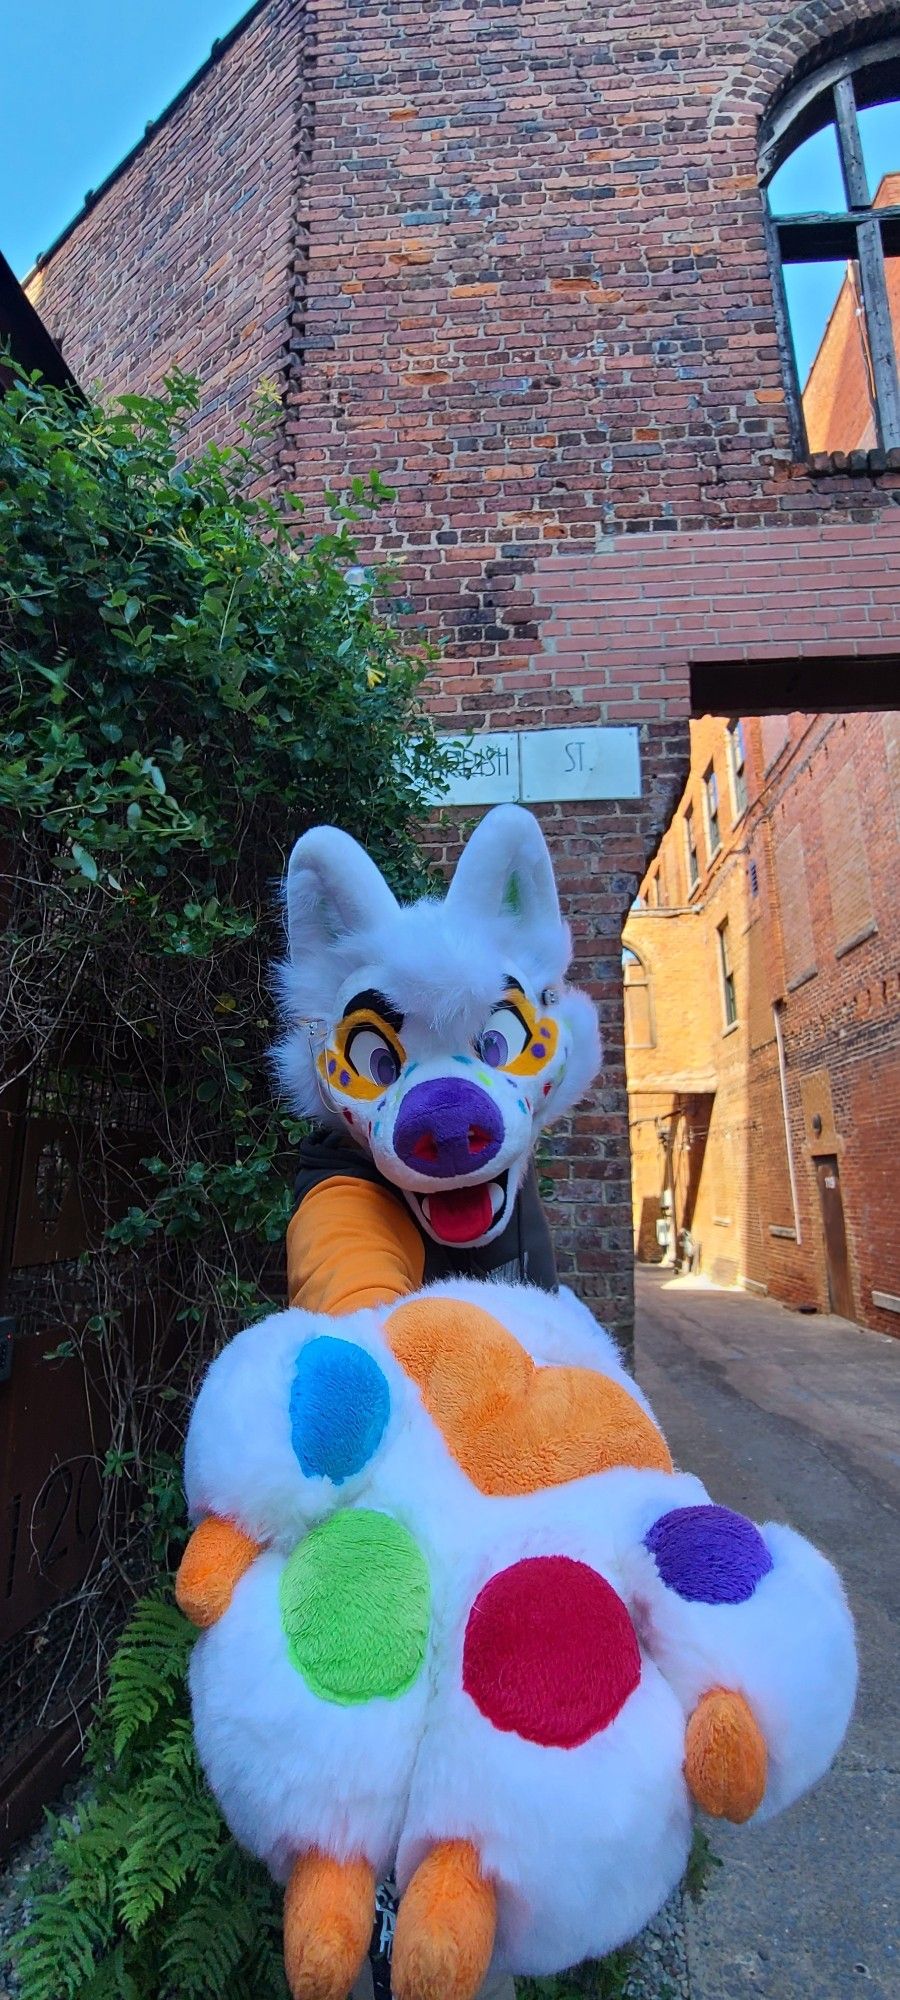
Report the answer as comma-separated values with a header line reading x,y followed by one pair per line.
x,y
834,367
810,181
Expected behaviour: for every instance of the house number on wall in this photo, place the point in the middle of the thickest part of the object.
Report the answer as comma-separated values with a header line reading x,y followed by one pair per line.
x,y
531,765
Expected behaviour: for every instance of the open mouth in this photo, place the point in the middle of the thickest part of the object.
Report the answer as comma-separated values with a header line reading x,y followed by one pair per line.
x,y
461,1215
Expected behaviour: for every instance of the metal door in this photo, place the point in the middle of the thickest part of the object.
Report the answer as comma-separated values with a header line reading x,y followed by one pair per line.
x,y
840,1290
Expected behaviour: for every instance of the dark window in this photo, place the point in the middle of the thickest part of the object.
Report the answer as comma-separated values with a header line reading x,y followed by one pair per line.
x,y
639,1029
690,845
711,794
738,760
830,167
754,879
727,971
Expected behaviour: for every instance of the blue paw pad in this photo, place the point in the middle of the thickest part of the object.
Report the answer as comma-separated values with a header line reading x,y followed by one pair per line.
x,y
340,1404
708,1555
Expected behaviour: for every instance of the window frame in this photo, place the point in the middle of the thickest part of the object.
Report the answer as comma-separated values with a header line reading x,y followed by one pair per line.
x,y
692,851
737,773
645,985
711,786
726,978
863,234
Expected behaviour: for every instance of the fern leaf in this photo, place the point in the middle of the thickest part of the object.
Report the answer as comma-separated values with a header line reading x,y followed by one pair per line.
x,y
148,1670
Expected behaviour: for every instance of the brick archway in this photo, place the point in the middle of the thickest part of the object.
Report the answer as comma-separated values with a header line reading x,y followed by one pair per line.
x,y
727,622
810,34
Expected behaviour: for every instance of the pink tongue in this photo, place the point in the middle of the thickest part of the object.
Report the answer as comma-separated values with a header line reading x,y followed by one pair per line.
x,y
460,1214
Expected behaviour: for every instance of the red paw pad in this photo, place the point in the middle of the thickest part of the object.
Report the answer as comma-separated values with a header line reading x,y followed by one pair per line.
x,y
550,1652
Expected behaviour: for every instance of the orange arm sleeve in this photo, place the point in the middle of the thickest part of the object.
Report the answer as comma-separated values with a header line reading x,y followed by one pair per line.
x,y
352,1244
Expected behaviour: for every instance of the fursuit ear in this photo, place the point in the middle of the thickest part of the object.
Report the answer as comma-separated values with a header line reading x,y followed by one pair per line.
x,y
332,890
505,871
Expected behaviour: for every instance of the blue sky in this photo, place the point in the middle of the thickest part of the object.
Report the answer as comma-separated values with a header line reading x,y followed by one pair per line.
x,y
79,80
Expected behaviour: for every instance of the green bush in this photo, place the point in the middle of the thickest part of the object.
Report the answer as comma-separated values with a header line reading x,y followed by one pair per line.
x,y
187,682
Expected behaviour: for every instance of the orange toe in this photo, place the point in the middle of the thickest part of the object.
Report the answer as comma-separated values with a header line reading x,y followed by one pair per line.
x,y
446,1925
215,1559
726,1761
329,1911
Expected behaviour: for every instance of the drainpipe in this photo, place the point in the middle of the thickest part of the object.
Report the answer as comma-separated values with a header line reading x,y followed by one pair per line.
x,y
782,1078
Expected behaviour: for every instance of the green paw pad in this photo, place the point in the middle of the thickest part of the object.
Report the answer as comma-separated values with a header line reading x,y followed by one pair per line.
x,y
356,1606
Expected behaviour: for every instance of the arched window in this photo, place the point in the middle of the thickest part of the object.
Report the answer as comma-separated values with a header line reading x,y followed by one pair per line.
x,y
830,167
639,1029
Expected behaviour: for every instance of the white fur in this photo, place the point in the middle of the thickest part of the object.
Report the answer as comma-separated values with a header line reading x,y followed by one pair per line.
x,y
789,1650
583,1844
289,1770
239,1461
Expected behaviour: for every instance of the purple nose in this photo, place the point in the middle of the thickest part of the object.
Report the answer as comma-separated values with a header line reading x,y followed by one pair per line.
x,y
447,1127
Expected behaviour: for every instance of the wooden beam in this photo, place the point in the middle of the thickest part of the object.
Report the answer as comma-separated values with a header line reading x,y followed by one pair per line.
x,y
809,686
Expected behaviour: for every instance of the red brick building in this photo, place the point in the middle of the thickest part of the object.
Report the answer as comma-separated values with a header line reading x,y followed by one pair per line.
x,y
763,1015
515,254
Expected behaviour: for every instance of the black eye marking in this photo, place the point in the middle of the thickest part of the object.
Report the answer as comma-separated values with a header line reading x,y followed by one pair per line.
x,y
375,1003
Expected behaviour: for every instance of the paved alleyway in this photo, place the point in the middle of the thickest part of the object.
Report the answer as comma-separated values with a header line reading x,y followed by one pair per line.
x,y
794,1417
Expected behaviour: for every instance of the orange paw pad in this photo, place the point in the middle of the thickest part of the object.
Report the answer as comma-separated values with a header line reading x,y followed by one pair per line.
x,y
726,1760
511,1426
213,1563
446,1925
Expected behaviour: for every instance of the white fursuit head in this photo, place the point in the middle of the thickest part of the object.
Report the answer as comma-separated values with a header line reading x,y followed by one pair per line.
x,y
441,1035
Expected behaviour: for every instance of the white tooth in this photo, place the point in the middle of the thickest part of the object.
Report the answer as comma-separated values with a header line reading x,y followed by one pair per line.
x,y
426,1206
496,1198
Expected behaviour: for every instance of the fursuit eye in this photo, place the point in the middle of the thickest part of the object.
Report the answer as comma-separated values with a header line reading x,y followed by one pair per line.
x,y
503,1039
373,1057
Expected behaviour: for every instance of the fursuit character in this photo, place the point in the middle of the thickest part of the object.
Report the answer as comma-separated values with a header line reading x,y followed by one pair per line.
x,y
434,1043
486,1635
460,1615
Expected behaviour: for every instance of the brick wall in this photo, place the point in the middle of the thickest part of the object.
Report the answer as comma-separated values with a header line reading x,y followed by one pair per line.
x,y
512,255
834,786
807,879
185,260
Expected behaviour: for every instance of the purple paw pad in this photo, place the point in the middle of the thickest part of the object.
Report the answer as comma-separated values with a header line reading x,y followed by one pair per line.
x,y
708,1555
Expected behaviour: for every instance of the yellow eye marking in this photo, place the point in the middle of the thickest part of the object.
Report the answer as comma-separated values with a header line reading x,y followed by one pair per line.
x,y
543,1035
336,1065
540,1050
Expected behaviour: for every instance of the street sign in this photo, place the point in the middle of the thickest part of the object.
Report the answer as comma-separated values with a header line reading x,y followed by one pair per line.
x,y
491,767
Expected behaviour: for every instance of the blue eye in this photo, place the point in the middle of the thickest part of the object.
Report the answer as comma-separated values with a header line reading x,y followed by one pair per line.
x,y
504,1038
373,1057
384,1066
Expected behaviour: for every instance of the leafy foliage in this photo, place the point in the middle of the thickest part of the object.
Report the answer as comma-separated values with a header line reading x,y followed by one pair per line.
x,y
702,1864
187,682
148,1898
597,1979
